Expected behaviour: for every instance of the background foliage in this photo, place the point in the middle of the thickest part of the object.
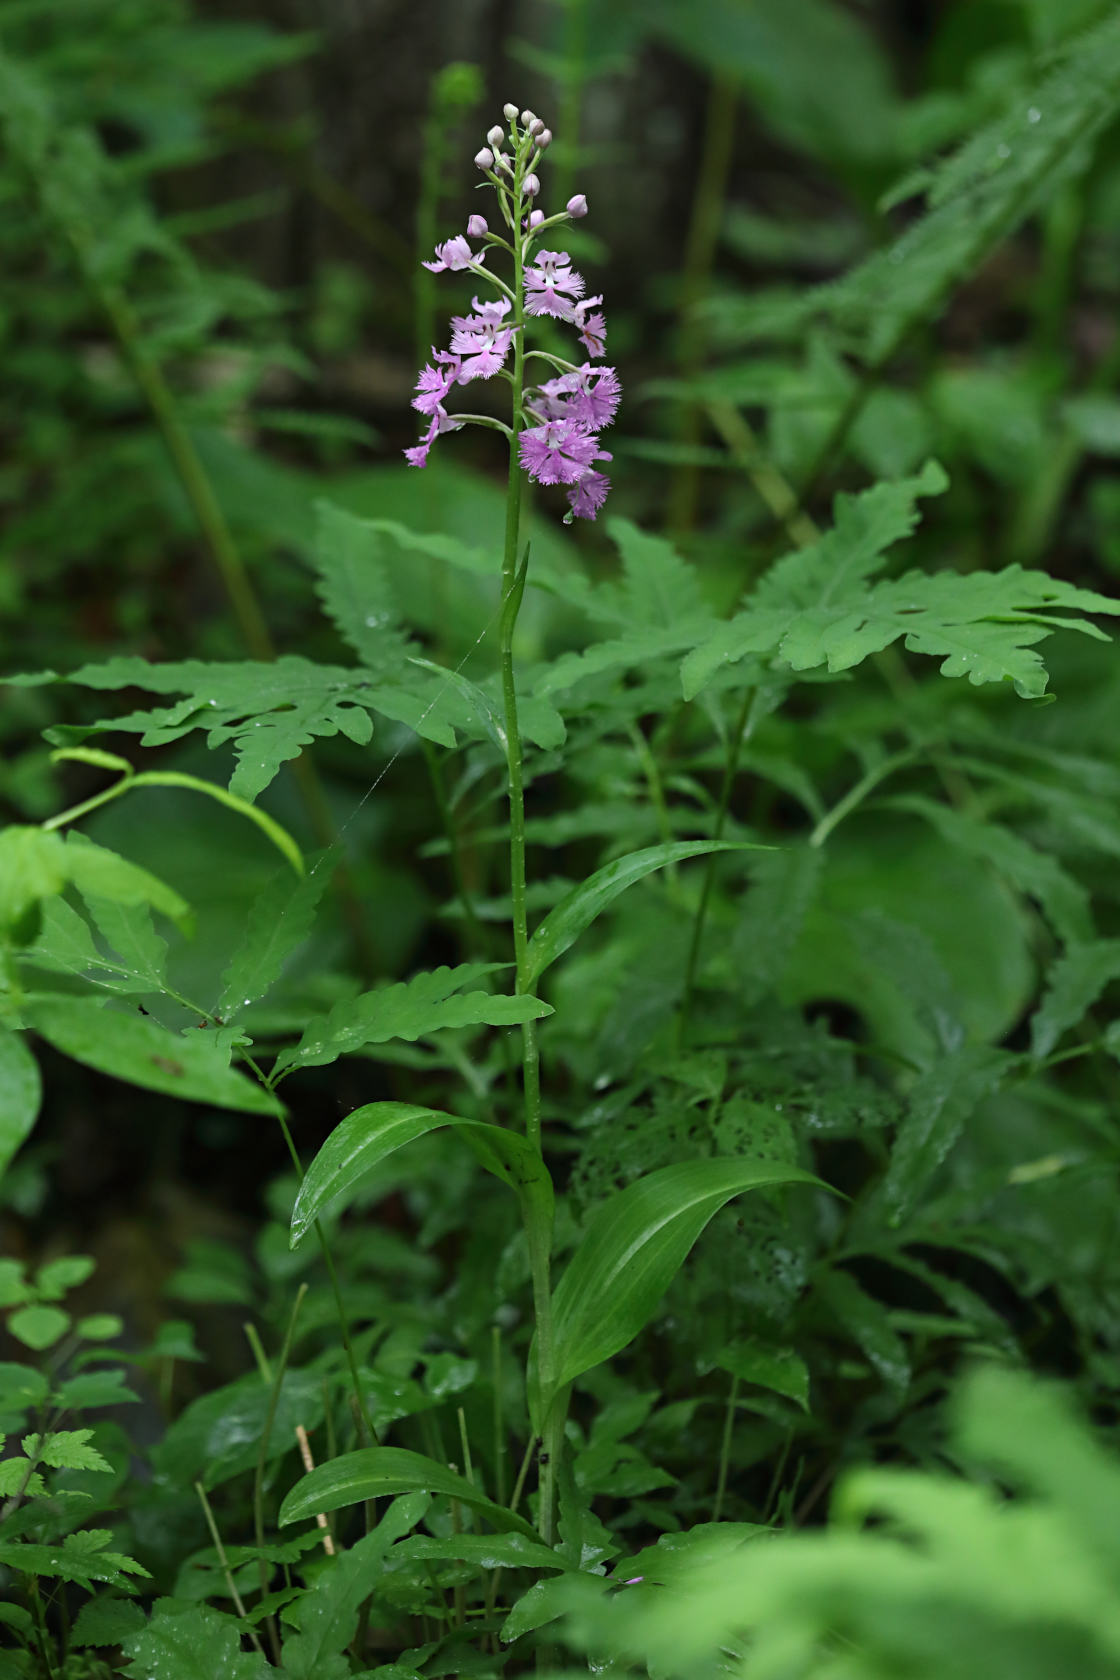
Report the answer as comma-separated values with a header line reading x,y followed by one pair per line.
x,y
864,273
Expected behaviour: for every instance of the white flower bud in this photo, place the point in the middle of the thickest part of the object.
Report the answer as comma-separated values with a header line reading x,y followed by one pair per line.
x,y
484,158
544,139
528,117
536,217
496,135
577,206
509,112
536,127
530,186
477,226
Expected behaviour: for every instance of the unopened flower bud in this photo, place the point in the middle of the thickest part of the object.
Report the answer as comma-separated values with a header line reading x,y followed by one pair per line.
x,y
509,112
536,127
577,206
528,117
503,163
544,139
477,226
536,217
496,135
530,186
484,158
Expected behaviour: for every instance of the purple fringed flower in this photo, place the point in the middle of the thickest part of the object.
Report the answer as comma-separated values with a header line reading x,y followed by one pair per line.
x,y
592,328
552,286
563,416
557,452
482,344
453,254
588,493
592,395
435,382
441,422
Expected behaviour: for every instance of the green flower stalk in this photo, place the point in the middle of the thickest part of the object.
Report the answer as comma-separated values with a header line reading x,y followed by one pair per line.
x,y
553,436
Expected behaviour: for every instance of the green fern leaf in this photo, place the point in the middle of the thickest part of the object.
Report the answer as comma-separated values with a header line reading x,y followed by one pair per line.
x,y
941,1100
658,610
15,1480
412,1009
65,1449
1075,982
268,712
279,922
70,1562
352,558
816,607
658,588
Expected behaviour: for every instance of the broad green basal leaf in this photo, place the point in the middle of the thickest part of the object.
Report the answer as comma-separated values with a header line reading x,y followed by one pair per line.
x,y
563,926
369,1134
375,1472
633,1246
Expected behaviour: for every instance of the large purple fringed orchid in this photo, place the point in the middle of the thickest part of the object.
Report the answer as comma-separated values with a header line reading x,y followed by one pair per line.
x,y
556,424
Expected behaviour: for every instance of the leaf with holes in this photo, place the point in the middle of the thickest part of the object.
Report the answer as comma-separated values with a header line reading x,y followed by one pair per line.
x,y
632,1248
133,1047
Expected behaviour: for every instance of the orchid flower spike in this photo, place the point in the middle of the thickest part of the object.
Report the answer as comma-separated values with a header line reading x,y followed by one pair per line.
x,y
554,436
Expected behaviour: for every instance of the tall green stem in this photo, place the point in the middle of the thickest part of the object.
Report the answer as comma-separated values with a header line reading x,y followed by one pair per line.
x,y
512,588
538,1230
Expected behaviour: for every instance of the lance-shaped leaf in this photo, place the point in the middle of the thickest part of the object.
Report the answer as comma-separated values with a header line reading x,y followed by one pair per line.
x,y
575,912
484,1551
375,1472
369,1134
427,1003
634,1244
